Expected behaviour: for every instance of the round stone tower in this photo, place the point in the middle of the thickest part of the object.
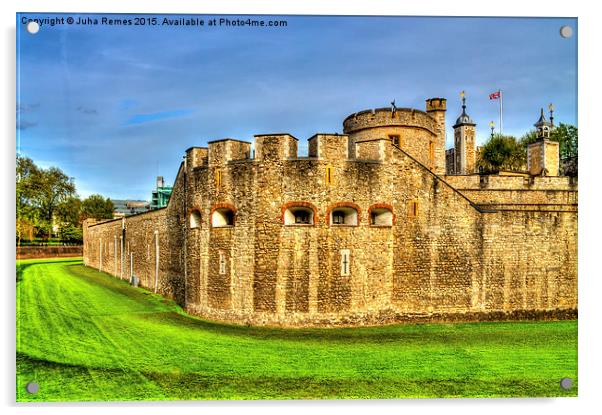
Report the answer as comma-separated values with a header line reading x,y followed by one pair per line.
x,y
421,134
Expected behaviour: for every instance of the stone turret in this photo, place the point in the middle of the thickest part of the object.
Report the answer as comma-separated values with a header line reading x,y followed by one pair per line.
x,y
436,108
464,142
421,134
543,155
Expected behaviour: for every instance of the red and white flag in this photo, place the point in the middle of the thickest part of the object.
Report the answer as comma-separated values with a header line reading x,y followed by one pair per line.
x,y
495,95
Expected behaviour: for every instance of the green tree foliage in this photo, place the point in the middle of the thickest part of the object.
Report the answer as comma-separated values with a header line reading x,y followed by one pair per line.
x,y
27,174
70,210
501,152
46,197
97,207
568,137
71,233
53,188
69,219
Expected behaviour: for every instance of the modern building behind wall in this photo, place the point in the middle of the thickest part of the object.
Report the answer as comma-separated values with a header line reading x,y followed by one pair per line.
x,y
160,196
369,229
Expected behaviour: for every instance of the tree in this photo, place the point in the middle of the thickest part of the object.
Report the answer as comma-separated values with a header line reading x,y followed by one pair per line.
x,y
39,193
52,188
568,137
97,207
71,233
501,152
27,215
69,211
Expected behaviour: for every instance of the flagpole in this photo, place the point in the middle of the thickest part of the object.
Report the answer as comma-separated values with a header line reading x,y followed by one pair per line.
x,y
501,110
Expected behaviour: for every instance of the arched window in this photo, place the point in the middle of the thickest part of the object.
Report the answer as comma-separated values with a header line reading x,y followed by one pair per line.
x,y
222,216
344,214
381,215
298,213
195,219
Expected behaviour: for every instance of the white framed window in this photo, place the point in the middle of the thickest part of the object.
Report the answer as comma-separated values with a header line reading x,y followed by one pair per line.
x,y
345,215
222,262
381,217
299,215
345,262
222,217
195,219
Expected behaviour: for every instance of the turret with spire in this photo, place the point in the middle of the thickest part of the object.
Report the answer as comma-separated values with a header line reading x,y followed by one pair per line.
x,y
543,126
543,155
464,142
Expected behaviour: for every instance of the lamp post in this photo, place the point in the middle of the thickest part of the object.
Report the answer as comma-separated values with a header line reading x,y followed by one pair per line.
x,y
492,126
551,108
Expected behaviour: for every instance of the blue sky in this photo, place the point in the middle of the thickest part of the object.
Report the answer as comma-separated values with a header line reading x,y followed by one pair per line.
x,y
115,106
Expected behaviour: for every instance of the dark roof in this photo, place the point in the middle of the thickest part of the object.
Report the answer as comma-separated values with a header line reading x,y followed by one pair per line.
x,y
227,139
542,121
464,118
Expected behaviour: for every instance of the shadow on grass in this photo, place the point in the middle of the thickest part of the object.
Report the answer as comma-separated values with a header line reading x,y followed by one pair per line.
x,y
61,382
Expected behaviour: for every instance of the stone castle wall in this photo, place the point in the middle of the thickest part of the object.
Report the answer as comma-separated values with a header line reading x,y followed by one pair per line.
x,y
447,253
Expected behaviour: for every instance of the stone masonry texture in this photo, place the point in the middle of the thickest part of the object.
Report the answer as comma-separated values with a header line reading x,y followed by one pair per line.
x,y
455,248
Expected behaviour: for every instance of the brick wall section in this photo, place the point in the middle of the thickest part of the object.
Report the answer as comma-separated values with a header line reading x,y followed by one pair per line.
x,y
442,259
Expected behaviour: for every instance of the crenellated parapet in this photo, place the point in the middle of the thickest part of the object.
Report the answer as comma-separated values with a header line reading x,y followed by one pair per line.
x,y
197,157
386,117
275,146
329,146
228,149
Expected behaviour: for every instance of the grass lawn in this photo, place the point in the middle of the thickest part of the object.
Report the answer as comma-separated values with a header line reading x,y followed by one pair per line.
x,y
86,336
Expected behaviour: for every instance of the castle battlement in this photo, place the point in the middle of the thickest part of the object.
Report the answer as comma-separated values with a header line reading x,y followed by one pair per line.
x,y
380,117
366,230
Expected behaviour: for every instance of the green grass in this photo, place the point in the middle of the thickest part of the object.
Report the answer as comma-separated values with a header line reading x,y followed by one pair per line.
x,y
86,336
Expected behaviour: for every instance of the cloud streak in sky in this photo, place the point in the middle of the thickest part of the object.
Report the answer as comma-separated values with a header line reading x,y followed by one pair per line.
x,y
158,116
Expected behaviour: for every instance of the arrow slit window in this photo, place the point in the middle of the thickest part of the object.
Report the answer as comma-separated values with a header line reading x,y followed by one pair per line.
x,y
345,262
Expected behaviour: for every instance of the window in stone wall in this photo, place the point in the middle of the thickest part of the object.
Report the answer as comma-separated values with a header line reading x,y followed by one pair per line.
x,y
413,208
395,140
222,217
218,178
299,215
195,219
345,262
381,217
222,262
329,175
302,216
345,215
